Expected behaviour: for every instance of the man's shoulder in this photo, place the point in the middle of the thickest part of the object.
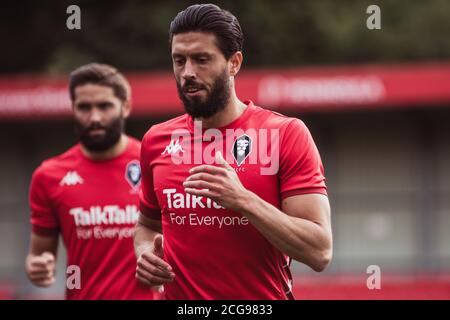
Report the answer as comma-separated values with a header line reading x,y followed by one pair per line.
x,y
135,143
62,159
54,165
273,119
134,146
166,127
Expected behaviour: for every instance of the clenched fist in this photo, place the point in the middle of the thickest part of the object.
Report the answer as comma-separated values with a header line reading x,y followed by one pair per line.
x,y
41,269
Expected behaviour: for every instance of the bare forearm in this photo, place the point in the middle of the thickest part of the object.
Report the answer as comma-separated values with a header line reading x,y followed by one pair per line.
x,y
143,239
301,239
144,235
40,244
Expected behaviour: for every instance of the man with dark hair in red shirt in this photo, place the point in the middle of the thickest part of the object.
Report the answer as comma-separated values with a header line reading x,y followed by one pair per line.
x,y
89,194
230,192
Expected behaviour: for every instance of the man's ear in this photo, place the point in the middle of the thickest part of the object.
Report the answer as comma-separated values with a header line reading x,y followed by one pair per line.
x,y
126,108
235,63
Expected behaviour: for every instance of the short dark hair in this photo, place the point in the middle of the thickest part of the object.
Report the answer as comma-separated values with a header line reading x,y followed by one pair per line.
x,y
212,19
101,74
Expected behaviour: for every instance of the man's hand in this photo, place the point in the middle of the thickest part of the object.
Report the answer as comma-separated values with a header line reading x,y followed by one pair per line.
x,y
41,269
219,183
151,269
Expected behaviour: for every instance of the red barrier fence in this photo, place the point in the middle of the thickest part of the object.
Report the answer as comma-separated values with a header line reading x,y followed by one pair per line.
x,y
332,287
295,89
393,287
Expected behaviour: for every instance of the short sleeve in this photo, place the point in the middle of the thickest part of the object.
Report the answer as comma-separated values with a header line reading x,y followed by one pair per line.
x,y
44,221
301,168
148,202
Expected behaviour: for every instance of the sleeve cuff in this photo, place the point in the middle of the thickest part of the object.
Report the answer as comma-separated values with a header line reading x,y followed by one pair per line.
x,y
296,192
154,214
45,231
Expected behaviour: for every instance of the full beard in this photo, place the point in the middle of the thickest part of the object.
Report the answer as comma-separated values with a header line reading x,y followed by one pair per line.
x,y
216,100
100,143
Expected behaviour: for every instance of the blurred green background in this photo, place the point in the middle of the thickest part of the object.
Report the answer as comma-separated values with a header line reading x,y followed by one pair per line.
x,y
133,35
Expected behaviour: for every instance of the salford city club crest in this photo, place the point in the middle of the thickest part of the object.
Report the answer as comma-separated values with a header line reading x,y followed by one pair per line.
x,y
133,174
242,148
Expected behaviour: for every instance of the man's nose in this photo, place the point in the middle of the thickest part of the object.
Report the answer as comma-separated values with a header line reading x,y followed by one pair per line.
x,y
189,71
96,115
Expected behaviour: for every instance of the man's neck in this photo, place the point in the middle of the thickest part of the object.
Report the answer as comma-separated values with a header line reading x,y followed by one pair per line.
x,y
112,152
231,112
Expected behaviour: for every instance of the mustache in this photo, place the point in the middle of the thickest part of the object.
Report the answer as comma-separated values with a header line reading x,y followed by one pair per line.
x,y
95,126
189,84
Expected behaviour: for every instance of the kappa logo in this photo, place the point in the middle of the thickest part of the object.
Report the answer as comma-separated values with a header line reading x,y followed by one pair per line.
x,y
71,178
173,147
242,148
133,173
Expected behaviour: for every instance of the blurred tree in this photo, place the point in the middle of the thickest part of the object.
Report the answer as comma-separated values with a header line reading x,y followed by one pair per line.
x,y
133,35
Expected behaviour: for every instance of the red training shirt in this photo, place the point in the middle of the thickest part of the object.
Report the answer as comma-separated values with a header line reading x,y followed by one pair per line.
x,y
94,206
216,253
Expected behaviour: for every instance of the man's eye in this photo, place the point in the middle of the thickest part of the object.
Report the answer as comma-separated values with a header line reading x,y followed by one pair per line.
x,y
179,62
84,107
203,60
105,105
